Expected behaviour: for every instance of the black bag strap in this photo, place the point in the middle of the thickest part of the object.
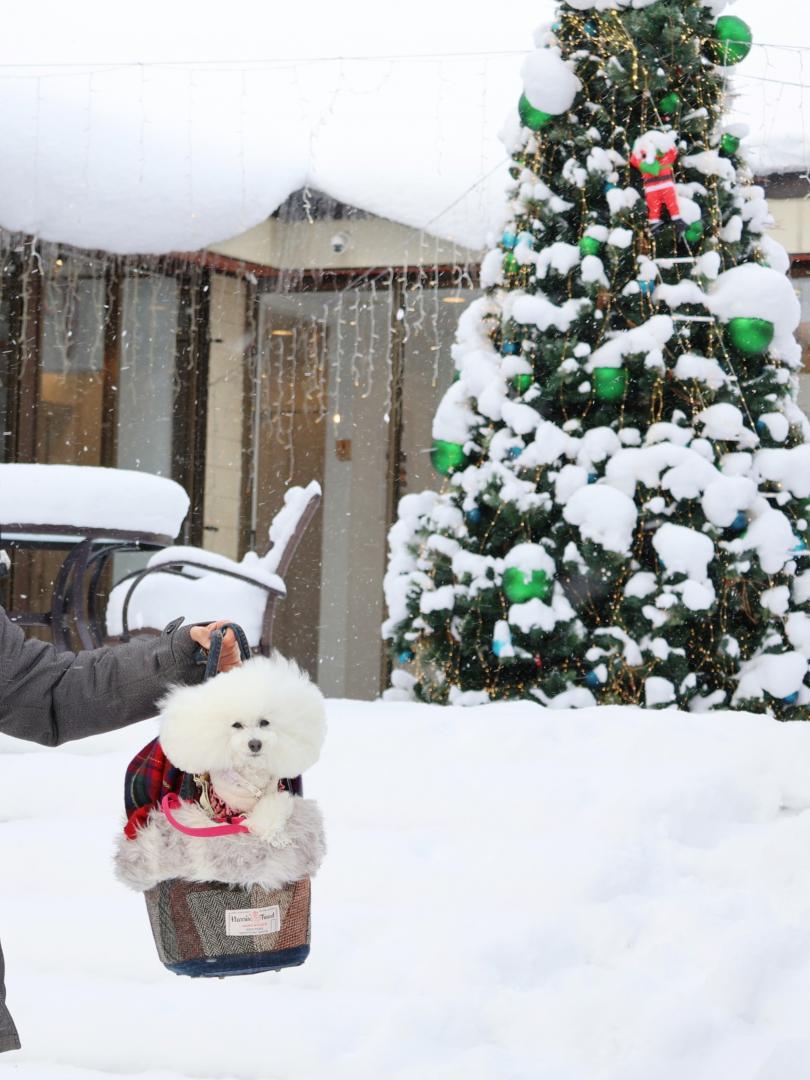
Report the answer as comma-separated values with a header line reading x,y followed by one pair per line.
x,y
215,649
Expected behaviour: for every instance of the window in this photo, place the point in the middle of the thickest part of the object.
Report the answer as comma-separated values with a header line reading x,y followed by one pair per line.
x,y
146,374
802,285
71,382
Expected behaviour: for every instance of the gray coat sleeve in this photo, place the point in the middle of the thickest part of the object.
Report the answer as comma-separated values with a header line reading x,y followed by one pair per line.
x,y
50,697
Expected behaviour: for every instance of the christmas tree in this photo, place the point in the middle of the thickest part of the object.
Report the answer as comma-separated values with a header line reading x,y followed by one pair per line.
x,y
624,516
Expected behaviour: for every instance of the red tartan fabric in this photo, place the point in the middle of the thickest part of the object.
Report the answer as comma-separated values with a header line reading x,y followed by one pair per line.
x,y
222,812
150,775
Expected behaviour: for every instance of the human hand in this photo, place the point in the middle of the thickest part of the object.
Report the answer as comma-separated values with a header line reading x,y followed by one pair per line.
x,y
229,657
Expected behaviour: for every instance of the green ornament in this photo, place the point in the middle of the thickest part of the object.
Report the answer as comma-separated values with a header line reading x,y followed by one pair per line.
x,y
589,245
694,232
510,263
751,336
732,40
729,144
531,117
447,457
522,382
610,382
670,103
520,586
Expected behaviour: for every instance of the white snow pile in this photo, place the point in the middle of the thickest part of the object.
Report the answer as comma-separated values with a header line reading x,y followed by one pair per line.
x,y
548,82
603,514
454,420
726,423
688,552
509,891
791,468
89,497
758,292
287,520
648,339
771,536
537,310
530,558
398,579
778,674
648,146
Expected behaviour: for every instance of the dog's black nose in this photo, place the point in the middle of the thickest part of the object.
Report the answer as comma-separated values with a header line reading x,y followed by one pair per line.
x,y
255,745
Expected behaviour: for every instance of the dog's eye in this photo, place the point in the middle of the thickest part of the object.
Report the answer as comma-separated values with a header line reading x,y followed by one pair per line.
x,y
238,726
264,723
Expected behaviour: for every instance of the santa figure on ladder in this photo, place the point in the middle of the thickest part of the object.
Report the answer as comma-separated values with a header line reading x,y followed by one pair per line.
x,y
654,154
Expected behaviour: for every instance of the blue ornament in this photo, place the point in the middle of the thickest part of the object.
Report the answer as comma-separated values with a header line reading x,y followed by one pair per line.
x,y
556,26
645,287
800,548
405,656
590,28
609,186
791,699
592,679
509,239
515,452
592,478
526,238
474,515
509,347
761,426
740,522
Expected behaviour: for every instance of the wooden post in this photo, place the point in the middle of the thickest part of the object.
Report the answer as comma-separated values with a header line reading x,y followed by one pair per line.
x,y
247,532
191,394
26,312
394,448
112,365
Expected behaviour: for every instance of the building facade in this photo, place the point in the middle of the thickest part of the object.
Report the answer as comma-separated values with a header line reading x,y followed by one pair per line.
x,y
314,346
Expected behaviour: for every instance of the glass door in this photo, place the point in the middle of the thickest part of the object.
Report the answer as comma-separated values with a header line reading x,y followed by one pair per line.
x,y
323,386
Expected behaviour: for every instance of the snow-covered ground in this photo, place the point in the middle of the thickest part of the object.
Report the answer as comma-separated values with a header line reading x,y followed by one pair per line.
x,y
510,892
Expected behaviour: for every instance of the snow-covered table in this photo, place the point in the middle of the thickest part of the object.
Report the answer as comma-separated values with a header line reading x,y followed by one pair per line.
x,y
90,513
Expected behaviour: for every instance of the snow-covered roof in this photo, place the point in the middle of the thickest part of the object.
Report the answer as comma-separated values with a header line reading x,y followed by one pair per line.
x,y
165,126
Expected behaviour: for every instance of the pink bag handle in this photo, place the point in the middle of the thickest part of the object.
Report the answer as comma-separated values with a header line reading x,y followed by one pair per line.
x,y
172,802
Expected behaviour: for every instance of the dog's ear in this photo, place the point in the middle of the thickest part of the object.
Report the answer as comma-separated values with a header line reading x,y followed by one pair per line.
x,y
296,708
191,732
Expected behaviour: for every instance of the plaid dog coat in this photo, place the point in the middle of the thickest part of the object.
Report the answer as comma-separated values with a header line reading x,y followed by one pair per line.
x,y
149,776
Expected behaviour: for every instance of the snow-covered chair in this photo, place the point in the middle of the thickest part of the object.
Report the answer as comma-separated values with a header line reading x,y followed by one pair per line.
x,y
202,585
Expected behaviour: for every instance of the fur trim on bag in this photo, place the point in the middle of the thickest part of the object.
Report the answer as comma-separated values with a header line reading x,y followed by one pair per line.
x,y
159,852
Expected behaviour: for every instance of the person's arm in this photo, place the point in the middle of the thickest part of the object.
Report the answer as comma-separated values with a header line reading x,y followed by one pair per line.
x,y
50,697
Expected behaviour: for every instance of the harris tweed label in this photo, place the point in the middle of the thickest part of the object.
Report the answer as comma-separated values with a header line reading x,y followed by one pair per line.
x,y
248,922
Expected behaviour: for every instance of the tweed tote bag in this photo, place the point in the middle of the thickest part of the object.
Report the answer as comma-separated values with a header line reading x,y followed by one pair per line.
x,y
215,928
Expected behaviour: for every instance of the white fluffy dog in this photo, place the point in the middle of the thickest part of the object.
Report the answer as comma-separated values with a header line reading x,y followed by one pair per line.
x,y
247,729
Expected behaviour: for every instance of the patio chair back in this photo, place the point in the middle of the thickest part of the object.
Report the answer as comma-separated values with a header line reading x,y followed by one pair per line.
x,y
286,532
285,541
